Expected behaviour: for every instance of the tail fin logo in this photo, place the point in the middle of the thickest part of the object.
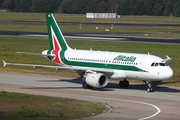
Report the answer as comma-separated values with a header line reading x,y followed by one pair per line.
x,y
56,48
56,45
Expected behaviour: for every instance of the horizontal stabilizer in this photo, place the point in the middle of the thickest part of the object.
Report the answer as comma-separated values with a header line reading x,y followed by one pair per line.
x,y
39,54
4,63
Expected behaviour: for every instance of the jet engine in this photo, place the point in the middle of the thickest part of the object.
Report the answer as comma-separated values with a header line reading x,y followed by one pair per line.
x,y
97,80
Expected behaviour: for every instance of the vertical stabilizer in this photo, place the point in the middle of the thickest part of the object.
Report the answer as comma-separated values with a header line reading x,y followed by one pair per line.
x,y
56,39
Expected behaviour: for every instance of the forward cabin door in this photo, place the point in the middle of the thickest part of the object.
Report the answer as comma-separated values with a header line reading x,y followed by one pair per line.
x,y
141,63
143,73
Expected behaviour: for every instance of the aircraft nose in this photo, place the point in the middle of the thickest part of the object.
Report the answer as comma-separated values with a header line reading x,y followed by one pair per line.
x,y
168,74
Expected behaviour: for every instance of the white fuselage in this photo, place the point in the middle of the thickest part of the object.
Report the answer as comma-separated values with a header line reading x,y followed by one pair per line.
x,y
122,65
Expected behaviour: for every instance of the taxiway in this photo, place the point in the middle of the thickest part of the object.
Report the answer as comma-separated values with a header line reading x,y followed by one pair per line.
x,y
132,103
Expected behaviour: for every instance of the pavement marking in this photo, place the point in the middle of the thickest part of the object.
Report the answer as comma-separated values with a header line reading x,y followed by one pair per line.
x,y
80,96
148,117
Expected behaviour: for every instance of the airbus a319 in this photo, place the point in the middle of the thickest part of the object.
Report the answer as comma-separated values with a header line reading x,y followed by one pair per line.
x,y
96,67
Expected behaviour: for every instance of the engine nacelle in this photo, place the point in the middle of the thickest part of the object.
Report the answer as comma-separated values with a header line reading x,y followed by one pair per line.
x,y
97,80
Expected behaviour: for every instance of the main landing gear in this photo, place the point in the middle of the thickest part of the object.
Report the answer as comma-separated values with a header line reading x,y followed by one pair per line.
x,y
149,89
124,84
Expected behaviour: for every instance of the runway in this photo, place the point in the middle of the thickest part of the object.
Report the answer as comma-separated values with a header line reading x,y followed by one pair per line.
x,y
132,103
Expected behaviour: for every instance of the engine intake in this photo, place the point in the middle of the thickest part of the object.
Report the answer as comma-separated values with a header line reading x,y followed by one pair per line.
x,y
97,80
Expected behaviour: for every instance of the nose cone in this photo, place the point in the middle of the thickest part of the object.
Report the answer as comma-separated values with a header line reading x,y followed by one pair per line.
x,y
168,73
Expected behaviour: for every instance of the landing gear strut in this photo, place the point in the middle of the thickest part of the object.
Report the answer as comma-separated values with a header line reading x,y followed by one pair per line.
x,y
149,89
124,84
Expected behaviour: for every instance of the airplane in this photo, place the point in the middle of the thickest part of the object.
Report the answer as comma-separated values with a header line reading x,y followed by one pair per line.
x,y
97,67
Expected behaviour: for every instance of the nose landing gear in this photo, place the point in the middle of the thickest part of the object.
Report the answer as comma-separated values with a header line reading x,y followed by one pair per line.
x,y
149,89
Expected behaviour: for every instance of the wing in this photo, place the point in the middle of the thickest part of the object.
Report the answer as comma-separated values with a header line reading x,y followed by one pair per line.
x,y
34,65
61,67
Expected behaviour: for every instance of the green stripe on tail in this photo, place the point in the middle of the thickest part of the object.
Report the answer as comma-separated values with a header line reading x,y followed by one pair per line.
x,y
56,39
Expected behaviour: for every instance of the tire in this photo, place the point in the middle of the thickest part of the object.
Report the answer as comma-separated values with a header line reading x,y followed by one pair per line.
x,y
150,90
126,84
121,84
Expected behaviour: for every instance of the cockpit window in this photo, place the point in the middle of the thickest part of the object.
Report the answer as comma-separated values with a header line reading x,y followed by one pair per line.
x,y
159,64
162,64
166,64
152,64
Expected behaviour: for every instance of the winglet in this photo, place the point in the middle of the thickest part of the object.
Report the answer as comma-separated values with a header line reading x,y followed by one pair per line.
x,y
4,63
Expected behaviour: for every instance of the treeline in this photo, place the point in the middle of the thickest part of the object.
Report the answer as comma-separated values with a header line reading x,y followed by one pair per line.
x,y
30,5
122,7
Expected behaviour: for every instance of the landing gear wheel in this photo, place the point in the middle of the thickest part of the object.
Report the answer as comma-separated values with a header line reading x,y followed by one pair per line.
x,y
86,86
149,90
124,84
121,84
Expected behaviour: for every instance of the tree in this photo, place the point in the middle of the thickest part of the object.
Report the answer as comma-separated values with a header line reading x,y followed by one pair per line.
x,y
168,7
138,7
114,5
177,9
79,6
158,7
16,6
50,5
9,4
123,7
55,5
102,7
66,6
25,5
149,7
91,6
1,4
36,6
131,7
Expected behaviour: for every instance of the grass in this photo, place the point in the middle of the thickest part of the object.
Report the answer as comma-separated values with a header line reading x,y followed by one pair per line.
x,y
16,106
40,28
155,31
82,18
10,45
152,31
